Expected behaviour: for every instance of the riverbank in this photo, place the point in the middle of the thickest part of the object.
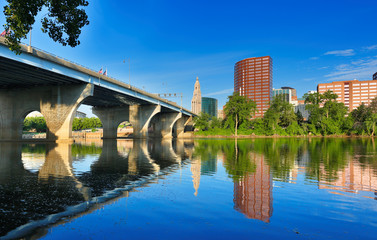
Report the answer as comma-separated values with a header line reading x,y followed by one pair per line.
x,y
280,136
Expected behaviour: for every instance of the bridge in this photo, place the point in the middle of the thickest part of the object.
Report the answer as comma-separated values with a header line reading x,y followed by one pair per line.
x,y
39,81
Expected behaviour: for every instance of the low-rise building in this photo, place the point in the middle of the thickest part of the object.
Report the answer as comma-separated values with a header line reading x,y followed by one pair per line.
x,y
352,93
289,94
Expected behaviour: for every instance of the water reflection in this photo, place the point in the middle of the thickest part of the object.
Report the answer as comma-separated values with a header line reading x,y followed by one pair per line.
x,y
336,165
43,179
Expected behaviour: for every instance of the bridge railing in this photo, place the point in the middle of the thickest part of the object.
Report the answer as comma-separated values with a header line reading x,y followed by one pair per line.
x,y
29,49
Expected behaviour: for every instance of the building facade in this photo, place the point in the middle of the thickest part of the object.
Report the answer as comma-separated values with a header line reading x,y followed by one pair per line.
x,y
375,76
289,94
220,113
196,102
352,93
209,105
253,79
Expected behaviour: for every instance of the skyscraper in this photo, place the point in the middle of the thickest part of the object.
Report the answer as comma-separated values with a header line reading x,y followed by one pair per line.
x,y
253,79
196,102
209,105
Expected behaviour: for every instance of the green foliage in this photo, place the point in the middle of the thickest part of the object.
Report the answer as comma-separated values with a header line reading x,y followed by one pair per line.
x,y
371,123
237,110
63,21
37,124
280,113
202,121
86,123
295,129
328,117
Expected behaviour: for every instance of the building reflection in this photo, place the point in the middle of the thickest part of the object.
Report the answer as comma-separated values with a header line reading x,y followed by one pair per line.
x,y
253,192
196,165
353,178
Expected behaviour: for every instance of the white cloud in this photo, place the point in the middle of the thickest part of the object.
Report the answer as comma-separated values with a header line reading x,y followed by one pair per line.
x,y
361,69
343,53
373,47
314,58
225,91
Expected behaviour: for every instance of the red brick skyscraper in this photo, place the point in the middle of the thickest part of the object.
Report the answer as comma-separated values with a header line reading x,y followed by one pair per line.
x,y
253,79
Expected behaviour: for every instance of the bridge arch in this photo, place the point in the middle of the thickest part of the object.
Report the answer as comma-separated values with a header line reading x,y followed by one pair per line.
x,y
33,122
163,124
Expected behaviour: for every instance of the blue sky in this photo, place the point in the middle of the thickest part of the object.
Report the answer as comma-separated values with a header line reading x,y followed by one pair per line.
x,y
171,42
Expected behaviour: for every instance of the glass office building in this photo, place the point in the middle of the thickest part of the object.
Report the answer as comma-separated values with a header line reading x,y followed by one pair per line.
x,y
209,105
287,94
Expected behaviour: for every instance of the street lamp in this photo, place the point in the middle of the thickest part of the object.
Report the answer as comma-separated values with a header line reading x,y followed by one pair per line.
x,y
129,69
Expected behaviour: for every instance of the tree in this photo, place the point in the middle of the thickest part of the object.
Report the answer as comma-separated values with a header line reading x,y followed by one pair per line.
x,y
300,118
280,113
63,22
371,124
238,109
202,121
312,102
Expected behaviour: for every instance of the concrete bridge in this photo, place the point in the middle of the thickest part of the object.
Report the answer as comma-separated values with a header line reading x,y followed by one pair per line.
x,y
38,81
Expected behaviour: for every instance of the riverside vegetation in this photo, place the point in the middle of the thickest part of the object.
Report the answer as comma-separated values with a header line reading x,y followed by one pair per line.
x,y
38,124
327,117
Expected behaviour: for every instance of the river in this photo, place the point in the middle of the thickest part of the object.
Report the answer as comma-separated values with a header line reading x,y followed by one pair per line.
x,y
283,188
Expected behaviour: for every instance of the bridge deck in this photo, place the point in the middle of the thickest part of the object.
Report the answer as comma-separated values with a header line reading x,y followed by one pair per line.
x,y
35,68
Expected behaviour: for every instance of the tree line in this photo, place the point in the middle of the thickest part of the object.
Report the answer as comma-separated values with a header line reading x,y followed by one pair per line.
x,y
38,124
327,117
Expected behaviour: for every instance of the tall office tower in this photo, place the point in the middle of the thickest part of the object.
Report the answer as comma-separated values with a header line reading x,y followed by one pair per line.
x,y
352,93
375,76
253,79
209,105
196,102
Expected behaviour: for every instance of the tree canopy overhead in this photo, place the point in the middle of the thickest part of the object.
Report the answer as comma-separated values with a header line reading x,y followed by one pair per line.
x,y
62,23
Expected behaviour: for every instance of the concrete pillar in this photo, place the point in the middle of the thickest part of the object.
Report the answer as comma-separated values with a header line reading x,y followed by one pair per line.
x,y
111,118
165,123
181,125
140,117
58,105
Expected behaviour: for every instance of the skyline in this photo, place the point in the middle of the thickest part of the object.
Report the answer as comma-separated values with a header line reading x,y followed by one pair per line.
x,y
171,43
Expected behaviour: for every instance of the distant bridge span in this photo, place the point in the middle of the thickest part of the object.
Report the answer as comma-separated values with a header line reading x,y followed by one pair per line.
x,y
39,81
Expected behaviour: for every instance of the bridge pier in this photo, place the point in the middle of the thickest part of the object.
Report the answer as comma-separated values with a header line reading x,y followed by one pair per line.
x,y
111,118
140,117
57,104
182,125
164,124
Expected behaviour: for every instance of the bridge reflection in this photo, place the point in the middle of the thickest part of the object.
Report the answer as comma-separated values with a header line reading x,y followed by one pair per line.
x,y
43,179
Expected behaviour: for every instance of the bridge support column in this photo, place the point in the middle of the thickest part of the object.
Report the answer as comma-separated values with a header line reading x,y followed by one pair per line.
x,y
165,123
58,105
140,117
181,126
111,118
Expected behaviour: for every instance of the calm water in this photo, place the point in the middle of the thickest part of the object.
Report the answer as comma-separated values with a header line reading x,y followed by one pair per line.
x,y
204,189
